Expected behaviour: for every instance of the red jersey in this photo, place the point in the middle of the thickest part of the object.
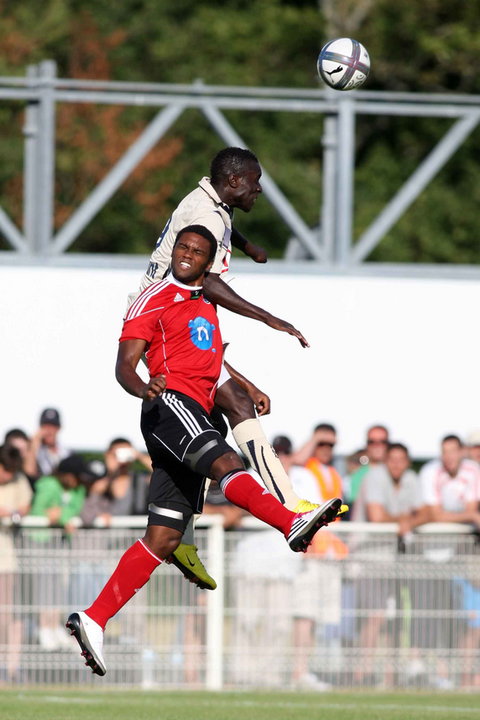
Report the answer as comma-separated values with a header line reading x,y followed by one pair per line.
x,y
183,335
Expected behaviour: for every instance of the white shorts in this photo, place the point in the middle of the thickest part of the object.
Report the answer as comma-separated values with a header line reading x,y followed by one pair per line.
x,y
224,376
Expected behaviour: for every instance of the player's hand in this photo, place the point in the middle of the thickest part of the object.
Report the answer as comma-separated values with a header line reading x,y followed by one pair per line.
x,y
260,400
154,388
283,326
257,253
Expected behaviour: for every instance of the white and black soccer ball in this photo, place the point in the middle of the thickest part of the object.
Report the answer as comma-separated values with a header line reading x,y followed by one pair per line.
x,y
343,64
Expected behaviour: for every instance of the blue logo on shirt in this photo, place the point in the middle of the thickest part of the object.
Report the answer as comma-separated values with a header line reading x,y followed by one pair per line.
x,y
201,333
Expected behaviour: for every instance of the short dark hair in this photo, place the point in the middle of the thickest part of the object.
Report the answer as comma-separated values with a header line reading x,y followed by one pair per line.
x,y
398,446
453,438
378,427
15,434
282,444
205,233
119,441
231,161
325,426
10,458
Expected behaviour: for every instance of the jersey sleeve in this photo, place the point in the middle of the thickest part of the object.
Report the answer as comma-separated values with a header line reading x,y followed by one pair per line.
x,y
141,322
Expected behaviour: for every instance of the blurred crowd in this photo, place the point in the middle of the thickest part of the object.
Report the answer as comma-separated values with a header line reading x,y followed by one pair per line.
x,y
41,477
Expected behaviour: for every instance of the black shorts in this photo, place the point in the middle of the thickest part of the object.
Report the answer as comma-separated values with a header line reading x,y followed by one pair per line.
x,y
183,444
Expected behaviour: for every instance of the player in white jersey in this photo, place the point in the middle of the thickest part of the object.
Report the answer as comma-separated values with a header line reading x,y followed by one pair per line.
x,y
234,183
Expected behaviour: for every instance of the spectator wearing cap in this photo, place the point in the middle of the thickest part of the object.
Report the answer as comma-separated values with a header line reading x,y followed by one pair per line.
x,y
45,443
473,446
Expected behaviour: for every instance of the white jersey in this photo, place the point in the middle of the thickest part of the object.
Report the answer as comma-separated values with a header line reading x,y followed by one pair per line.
x,y
200,207
451,493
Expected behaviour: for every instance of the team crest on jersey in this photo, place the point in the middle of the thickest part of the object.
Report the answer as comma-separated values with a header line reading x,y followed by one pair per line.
x,y
201,333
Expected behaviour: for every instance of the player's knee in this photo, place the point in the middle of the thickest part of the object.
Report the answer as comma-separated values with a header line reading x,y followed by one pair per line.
x,y
235,403
225,464
162,541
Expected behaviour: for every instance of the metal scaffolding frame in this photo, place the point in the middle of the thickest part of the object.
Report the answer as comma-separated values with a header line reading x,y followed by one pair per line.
x,y
330,244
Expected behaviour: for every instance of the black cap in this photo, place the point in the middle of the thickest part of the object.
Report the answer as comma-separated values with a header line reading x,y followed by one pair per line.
x,y
50,416
282,444
76,465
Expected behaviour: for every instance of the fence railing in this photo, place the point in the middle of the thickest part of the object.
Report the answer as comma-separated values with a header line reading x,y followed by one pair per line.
x,y
362,610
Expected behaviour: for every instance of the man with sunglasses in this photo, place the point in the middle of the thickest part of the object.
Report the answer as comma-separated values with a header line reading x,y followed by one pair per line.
x,y
375,454
318,477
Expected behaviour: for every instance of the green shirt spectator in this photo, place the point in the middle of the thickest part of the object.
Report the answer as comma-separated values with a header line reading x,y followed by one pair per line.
x,y
60,497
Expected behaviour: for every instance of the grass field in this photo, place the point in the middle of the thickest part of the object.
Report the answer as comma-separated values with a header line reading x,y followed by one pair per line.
x,y
62,704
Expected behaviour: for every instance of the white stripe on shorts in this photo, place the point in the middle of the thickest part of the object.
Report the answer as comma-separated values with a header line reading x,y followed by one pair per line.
x,y
187,418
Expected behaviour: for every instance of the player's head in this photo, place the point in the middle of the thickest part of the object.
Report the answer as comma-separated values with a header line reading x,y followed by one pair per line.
x,y
193,253
235,174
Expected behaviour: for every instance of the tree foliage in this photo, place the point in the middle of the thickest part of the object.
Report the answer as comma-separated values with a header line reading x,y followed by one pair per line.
x,y
419,46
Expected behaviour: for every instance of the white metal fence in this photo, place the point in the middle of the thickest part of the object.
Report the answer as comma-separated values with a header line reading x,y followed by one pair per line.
x,y
364,612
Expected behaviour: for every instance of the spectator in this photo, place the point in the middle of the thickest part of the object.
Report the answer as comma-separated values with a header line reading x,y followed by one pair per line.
x,y
473,446
284,449
45,443
353,462
451,485
59,498
376,450
322,481
316,586
15,498
450,488
19,439
392,493
122,490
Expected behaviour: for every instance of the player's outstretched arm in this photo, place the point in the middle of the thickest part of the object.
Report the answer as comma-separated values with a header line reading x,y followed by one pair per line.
x,y
257,253
128,357
222,294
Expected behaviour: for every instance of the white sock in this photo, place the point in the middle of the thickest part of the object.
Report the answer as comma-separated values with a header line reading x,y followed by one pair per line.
x,y
252,441
188,537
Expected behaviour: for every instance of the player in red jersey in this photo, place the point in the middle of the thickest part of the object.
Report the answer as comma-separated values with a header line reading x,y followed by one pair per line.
x,y
178,330
234,184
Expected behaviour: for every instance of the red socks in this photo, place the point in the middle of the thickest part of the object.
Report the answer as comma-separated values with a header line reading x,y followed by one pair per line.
x,y
132,572
242,490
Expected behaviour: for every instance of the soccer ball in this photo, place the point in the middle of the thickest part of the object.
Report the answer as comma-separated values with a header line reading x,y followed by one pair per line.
x,y
343,64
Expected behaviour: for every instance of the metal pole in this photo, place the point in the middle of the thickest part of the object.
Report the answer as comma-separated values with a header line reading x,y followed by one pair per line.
x,y
11,232
414,185
30,132
328,211
344,187
215,605
117,175
45,161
